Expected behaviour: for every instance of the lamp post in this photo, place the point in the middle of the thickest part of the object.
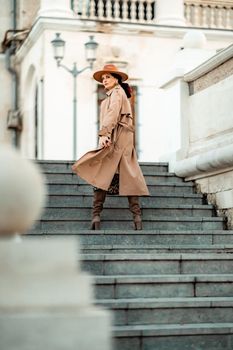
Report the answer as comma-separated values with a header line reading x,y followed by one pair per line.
x,y
59,49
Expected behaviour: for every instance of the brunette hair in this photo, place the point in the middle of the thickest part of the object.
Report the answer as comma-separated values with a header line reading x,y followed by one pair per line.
x,y
127,89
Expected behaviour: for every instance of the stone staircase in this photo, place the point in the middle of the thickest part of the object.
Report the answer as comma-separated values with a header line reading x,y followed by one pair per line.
x,y
170,286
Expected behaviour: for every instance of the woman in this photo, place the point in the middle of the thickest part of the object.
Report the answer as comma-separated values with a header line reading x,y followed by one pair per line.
x,y
113,167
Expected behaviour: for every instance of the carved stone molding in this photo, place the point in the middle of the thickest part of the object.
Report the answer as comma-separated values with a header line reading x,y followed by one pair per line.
x,y
220,3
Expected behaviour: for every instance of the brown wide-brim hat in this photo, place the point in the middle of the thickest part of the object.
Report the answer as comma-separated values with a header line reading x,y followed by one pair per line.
x,y
109,68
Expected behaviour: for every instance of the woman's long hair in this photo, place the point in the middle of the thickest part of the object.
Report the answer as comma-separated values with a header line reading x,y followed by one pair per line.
x,y
127,89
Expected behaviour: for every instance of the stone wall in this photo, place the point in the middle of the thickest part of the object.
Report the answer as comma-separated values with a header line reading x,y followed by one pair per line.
x,y
5,101
147,53
207,157
219,73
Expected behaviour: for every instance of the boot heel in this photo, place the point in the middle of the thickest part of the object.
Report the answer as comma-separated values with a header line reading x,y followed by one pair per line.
x,y
98,201
138,223
95,225
138,226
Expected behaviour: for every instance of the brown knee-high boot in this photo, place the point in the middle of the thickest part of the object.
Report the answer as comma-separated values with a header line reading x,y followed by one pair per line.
x,y
98,201
135,209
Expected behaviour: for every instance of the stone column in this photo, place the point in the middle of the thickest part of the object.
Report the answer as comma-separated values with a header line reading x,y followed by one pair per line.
x,y
58,8
170,12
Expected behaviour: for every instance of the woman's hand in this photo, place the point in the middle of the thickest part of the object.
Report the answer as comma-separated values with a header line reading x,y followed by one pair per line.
x,y
104,141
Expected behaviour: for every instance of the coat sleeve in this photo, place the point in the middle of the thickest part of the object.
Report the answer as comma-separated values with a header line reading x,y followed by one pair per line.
x,y
111,114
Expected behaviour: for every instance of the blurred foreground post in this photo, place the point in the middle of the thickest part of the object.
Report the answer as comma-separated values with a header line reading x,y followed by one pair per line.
x,y
46,302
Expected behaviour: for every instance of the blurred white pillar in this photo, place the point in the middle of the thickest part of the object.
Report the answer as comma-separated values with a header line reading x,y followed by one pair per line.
x,y
58,8
46,301
170,12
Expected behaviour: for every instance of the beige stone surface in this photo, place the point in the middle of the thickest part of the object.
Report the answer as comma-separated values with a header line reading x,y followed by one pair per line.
x,y
5,18
224,199
229,214
216,183
210,2
27,12
5,101
220,73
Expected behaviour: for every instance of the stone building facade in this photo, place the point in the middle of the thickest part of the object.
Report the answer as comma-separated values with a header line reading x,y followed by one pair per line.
x,y
148,40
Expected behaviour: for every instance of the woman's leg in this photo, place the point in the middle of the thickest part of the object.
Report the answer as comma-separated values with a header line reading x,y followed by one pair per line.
x,y
135,209
98,201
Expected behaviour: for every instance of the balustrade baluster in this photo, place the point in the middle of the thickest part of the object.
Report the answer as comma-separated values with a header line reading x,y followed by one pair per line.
x,y
228,18
133,15
101,9
84,9
125,10
231,17
188,12
75,7
212,16
92,9
219,17
141,11
204,19
149,11
224,17
196,16
116,7
108,9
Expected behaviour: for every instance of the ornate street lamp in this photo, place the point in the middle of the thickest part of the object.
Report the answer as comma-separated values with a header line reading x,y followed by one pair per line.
x,y
59,50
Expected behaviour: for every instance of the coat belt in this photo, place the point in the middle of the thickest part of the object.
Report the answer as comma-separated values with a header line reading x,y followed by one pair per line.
x,y
128,127
125,125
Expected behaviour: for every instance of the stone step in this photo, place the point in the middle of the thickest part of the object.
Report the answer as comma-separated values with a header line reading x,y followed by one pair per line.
x,y
110,203
159,188
167,263
158,223
145,237
69,177
159,199
177,270
202,336
111,248
124,213
58,166
170,310
166,286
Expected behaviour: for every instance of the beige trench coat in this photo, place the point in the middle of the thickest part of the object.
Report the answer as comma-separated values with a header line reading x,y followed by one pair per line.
x,y
98,167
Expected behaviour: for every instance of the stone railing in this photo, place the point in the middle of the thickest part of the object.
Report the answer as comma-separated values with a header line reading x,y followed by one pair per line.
x,y
198,13
134,11
209,13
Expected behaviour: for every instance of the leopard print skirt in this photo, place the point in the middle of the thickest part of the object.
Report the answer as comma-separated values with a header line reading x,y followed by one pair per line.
x,y
114,186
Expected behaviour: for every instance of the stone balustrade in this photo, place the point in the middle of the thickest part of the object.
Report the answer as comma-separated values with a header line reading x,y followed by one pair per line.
x,y
209,13
205,13
135,11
